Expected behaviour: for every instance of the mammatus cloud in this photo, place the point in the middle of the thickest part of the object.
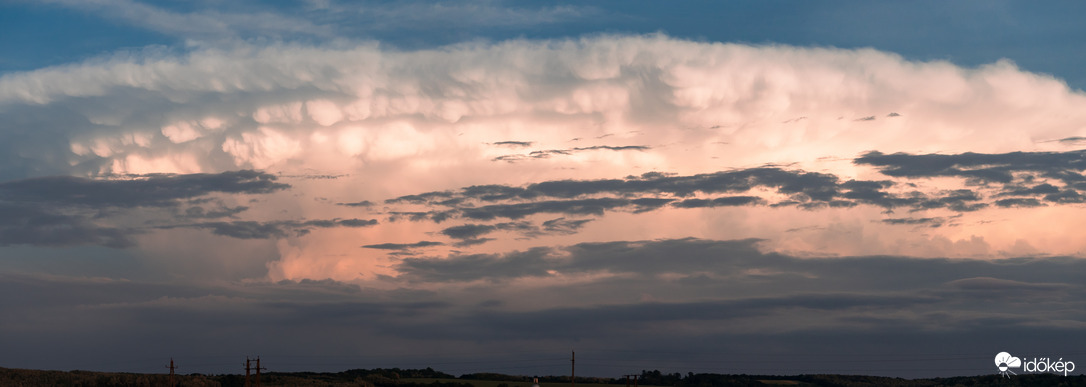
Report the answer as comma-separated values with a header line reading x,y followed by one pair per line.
x,y
723,139
323,106
696,195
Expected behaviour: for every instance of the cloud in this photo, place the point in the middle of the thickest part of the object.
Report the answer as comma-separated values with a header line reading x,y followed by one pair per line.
x,y
155,190
718,202
197,212
71,211
996,284
403,246
1074,140
468,231
514,143
520,210
206,25
470,234
544,154
994,168
475,14
364,203
244,229
563,225
930,222
1018,202
37,226
473,267
805,190
726,293
660,122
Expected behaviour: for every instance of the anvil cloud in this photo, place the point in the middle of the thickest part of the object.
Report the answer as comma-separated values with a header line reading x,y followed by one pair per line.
x,y
543,193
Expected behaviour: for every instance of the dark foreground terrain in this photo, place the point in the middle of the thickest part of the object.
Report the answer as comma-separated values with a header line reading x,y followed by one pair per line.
x,y
428,377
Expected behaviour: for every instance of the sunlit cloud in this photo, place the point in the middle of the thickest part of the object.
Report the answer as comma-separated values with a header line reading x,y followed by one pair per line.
x,y
520,189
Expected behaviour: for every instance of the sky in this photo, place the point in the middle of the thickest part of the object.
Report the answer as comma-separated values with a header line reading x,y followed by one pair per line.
x,y
734,187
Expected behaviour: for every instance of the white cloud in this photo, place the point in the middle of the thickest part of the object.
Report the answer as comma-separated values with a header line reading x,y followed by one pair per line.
x,y
201,25
405,122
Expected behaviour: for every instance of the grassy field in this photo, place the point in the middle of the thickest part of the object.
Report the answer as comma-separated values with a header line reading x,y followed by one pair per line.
x,y
495,383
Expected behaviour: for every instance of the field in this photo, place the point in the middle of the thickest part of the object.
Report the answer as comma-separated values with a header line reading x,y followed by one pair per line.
x,y
497,383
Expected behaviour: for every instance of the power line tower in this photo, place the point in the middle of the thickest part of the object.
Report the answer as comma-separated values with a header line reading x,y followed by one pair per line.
x,y
258,368
247,368
634,380
171,367
572,368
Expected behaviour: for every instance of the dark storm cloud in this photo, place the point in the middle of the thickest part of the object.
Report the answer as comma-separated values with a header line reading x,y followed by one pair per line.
x,y
1066,196
472,242
353,222
811,185
468,231
564,226
654,190
614,148
364,203
70,211
683,297
155,190
421,198
1051,193
736,259
1039,189
633,257
403,246
472,232
594,206
197,212
996,284
514,143
741,290
930,222
600,319
818,186
1076,140
991,180
35,226
728,201
649,204
529,263
1018,202
414,216
982,167
243,229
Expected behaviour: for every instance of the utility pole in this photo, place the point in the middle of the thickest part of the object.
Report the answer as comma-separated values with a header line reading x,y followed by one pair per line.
x,y
572,368
628,380
171,367
247,368
258,368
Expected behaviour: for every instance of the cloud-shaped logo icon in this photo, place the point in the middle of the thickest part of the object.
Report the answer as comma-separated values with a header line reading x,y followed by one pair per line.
x,y
1005,362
